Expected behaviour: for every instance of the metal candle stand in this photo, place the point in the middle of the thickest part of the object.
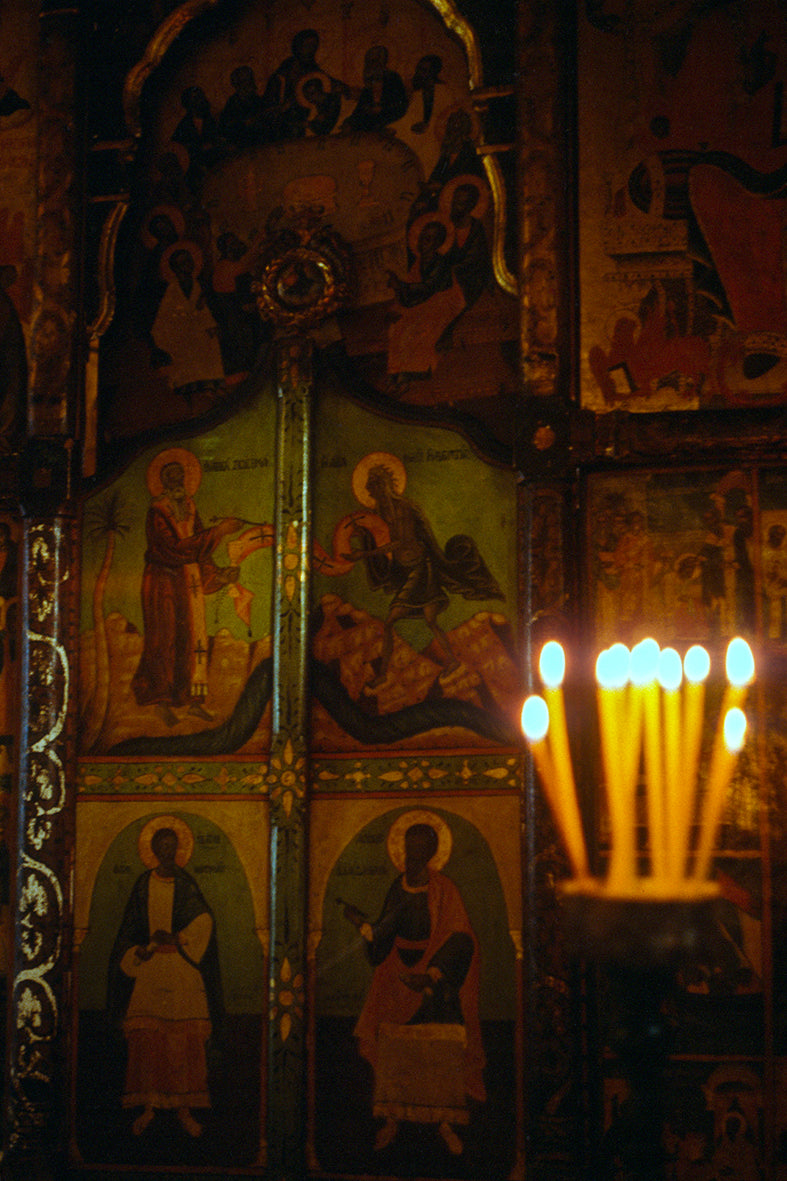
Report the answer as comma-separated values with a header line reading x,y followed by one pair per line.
x,y
640,946
639,927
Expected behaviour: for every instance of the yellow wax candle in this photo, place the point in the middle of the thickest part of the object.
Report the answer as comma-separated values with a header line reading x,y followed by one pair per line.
x,y
552,667
696,666
632,729
564,806
670,674
722,766
644,666
612,670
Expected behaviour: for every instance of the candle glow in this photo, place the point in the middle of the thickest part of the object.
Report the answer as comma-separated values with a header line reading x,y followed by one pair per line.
x,y
612,672
535,719
739,663
651,702
552,664
734,730
563,802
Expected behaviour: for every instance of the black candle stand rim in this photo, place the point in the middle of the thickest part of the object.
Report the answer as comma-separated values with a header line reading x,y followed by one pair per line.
x,y
637,932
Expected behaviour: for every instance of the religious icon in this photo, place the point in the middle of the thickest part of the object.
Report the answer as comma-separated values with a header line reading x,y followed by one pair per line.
x,y
410,562
165,982
179,573
419,1028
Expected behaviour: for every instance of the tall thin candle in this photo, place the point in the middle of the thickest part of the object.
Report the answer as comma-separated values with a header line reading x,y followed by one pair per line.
x,y
696,666
670,675
645,659
612,670
552,667
564,805
722,766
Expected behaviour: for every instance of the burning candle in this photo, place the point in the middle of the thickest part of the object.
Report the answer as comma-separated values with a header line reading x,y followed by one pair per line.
x,y
644,667
696,666
670,675
740,674
564,806
722,766
612,673
552,668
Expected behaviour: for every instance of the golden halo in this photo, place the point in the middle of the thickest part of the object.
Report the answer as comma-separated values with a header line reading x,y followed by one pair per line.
x,y
407,820
175,216
185,840
192,470
166,271
467,178
361,473
419,223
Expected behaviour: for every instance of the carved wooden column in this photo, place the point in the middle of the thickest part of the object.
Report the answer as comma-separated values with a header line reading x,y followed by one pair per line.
x,y
37,1084
321,260
288,766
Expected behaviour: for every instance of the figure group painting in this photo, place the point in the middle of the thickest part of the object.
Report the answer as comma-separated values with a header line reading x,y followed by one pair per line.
x,y
412,648
412,643
673,555
276,132
683,168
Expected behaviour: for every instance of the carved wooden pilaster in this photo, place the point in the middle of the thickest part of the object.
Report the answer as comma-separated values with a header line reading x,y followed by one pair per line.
x,y
36,1051
53,329
544,248
288,776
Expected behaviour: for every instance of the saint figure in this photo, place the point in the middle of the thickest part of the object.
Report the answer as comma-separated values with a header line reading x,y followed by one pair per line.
x,y
165,982
422,1004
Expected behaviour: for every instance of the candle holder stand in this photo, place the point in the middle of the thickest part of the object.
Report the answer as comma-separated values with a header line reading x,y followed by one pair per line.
x,y
640,945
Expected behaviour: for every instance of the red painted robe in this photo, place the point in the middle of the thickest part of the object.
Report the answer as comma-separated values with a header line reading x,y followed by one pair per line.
x,y
179,572
390,1000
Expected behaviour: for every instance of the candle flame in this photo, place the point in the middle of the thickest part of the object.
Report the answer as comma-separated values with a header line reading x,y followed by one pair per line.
x,y
552,664
670,670
740,662
696,664
535,719
734,729
612,667
644,662
650,711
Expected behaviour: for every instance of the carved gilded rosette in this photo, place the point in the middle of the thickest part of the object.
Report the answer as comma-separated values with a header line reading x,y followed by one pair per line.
x,y
300,285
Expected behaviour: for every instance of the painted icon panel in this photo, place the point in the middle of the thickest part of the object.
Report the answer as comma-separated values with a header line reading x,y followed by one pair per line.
x,y
682,206
413,630
170,978
415,995
176,597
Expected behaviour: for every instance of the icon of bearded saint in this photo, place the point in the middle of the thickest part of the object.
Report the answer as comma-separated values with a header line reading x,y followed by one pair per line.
x,y
179,573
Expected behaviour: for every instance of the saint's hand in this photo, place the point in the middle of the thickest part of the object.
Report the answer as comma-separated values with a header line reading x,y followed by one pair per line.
x,y
354,915
417,981
229,525
164,938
